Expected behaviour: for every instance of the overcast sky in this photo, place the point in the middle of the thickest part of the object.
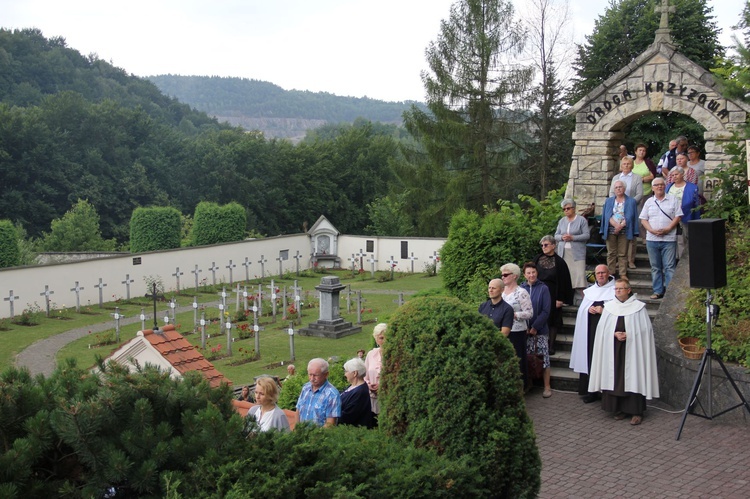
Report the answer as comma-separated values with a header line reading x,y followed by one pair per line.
x,y
345,47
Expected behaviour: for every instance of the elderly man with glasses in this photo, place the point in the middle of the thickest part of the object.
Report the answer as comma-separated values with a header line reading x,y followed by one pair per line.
x,y
589,313
660,217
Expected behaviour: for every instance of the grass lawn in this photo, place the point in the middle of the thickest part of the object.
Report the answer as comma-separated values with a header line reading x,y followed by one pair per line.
x,y
380,303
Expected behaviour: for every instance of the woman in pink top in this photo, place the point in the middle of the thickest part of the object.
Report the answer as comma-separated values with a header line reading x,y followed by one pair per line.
x,y
373,363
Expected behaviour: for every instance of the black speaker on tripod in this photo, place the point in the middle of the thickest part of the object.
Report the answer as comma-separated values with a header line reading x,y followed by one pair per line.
x,y
707,246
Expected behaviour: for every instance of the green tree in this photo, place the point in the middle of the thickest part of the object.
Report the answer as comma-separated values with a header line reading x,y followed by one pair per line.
x,y
627,28
77,230
388,217
9,251
450,381
475,90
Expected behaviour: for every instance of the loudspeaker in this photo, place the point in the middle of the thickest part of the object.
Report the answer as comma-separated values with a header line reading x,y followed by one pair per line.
x,y
707,246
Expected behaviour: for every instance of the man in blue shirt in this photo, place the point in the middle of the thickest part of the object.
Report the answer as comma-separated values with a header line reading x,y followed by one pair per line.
x,y
496,309
319,401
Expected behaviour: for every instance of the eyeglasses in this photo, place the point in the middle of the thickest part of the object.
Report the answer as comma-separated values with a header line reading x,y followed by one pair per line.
x,y
567,208
597,273
657,185
544,245
622,289
506,275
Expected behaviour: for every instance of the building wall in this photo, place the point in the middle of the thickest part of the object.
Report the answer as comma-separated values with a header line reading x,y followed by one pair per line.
x,y
28,283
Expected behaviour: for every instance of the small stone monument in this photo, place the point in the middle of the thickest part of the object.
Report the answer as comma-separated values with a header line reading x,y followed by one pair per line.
x,y
330,324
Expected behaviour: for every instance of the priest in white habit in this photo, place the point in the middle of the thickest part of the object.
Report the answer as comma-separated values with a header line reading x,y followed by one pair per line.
x,y
623,366
589,313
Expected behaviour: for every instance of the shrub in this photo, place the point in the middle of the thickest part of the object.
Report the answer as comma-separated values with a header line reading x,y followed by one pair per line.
x,y
450,381
477,246
731,339
155,228
9,252
343,461
214,224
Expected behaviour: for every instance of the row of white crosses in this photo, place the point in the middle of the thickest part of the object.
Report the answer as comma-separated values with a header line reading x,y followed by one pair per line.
x,y
359,257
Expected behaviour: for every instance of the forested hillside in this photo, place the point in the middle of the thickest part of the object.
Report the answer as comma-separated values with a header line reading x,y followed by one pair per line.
x,y
259,105
75,127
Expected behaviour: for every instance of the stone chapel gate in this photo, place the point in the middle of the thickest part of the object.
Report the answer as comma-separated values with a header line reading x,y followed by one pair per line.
x,y
659,80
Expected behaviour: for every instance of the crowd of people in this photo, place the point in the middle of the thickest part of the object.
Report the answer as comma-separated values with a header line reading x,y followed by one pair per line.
x,y
667,195
319,402
613,343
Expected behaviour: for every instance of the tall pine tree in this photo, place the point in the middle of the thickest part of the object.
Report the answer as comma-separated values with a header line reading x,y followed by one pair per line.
x,y
475,96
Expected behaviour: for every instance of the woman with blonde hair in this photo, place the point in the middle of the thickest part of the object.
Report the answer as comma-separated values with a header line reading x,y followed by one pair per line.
x,y
373,363
267,413
519,299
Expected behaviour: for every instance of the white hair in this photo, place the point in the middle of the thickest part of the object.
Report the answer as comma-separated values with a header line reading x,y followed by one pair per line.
x,y
355,365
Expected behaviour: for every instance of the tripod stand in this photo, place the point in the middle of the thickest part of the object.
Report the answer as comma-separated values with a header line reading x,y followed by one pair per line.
x,y
708,355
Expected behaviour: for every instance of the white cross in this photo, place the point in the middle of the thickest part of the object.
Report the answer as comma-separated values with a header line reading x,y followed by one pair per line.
x,y
127,283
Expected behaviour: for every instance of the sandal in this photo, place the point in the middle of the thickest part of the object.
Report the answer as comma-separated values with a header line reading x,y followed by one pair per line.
x,y
547,394
619,416
636,420
656,296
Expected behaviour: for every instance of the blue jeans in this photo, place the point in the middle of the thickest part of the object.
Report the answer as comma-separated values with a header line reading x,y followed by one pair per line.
x,y
662,255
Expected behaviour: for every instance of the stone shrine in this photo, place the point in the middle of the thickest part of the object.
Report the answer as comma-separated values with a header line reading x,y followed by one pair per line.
x,y
659,80
330,324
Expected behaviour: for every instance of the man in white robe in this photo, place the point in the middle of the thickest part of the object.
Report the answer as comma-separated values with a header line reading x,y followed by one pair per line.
x,y
623,366
589,313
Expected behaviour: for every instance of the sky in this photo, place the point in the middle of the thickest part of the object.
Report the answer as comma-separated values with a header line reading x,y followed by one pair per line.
x,y
353,48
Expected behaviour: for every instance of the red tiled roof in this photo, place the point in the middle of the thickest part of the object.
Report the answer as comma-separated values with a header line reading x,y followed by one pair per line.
x,y
182,355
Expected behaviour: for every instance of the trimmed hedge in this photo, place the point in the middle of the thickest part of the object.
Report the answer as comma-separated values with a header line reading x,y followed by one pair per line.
x,y
450,381
214,224
154,228
10,256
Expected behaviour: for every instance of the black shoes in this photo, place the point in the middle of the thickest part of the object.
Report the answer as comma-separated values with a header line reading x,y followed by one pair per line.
x,y
591,397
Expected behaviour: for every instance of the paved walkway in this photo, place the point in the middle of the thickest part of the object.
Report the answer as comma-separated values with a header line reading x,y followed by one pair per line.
x,y
586,453
39,357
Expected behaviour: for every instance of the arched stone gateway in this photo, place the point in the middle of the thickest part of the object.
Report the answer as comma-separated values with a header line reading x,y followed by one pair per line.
x,y
659,80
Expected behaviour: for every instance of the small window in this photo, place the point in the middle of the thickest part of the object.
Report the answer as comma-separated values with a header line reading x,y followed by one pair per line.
x,y
370,246
137,260
284,254
404,249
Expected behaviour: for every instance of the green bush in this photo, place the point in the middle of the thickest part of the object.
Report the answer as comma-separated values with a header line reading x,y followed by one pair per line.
x,y
450,381
477,246
731,339
121,434
77,230
214,224
155,228
9,252
340,462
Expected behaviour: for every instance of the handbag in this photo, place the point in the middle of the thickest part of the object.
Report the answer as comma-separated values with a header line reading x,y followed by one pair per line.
x,y
535,363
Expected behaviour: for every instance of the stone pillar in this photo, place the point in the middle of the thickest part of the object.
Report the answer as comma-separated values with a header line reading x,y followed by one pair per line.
x,y
329,323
